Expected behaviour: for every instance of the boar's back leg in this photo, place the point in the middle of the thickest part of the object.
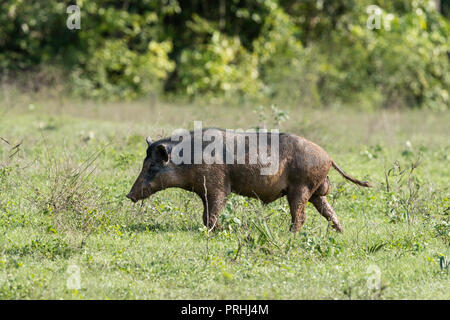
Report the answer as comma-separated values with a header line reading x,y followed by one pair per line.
x,y
211,209
324,188
326,210
298,198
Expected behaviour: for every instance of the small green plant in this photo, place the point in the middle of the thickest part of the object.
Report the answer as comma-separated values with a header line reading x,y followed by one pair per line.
x,y
124,159
442,229
68,198
265,236
376,247
403,193
49,248
323,247
444,263
279,116
276,116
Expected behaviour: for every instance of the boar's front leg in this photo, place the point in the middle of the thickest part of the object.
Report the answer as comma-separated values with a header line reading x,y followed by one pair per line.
x,y
298,198
211,209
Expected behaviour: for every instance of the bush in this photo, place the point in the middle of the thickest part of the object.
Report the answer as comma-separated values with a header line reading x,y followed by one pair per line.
x,y
284,64
308,52
117,53
116,72
221,67
405,60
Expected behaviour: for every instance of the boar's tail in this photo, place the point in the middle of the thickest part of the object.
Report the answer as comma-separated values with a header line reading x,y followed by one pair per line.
x,y
346,176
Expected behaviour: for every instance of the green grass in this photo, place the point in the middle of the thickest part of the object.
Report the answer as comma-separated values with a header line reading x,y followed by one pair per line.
x,y
62,203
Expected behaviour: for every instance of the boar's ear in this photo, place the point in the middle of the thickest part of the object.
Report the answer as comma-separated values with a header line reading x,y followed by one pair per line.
x,y
149,141
161,153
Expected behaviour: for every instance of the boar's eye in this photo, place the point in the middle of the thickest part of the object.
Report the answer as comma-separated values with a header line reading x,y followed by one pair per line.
x,y
151,166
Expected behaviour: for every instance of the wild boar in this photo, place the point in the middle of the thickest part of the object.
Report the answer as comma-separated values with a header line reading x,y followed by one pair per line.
x,y
301,172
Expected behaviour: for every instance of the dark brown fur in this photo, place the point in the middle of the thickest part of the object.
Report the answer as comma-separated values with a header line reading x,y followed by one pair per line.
x,y
302,176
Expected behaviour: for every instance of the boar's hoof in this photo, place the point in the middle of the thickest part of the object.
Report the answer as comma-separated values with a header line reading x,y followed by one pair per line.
x,y
338,227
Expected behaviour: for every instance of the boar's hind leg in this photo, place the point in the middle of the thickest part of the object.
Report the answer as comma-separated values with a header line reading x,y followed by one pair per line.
x,y
211,209
298,198
325,209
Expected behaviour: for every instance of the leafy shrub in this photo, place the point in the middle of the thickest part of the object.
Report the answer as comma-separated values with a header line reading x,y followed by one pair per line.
x,y
284,65
405,60
404,199
28,36
322,247
410,58
116,54
309,52
221,66
442,229
115,71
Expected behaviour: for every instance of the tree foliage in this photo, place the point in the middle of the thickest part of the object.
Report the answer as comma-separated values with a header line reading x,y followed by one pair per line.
x,y
304,52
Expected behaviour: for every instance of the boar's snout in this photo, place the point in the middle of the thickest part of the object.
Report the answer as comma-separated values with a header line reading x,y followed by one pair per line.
x,y
131,197
140,189
154,164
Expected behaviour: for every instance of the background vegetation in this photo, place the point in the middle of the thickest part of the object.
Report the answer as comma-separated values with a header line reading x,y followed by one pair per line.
x,y
303,52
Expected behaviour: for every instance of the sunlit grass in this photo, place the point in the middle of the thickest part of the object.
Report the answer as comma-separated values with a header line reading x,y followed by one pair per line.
x,y
59,209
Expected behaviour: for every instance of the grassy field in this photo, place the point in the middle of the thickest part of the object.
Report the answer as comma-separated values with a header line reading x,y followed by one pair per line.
x,y
63,208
